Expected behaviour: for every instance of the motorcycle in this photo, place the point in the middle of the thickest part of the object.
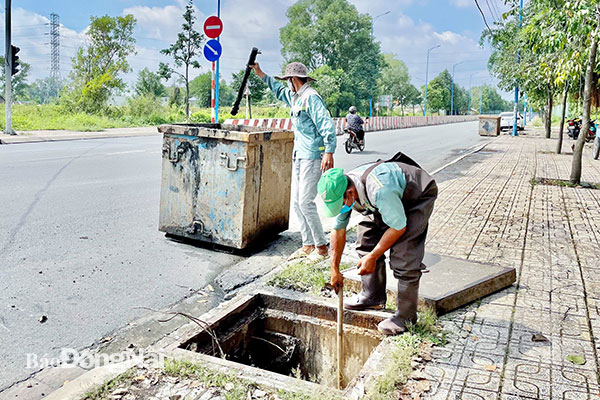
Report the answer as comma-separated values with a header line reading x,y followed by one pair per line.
x,y
352,142
574,127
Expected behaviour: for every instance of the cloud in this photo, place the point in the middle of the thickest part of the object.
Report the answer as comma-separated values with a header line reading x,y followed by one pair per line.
x,y
462,3
30,33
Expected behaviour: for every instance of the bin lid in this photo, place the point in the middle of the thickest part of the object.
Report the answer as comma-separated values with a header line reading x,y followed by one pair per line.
x,y
240,133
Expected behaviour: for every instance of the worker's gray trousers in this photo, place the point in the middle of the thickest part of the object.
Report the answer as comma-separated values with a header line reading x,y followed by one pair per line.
x,y
406,255
305,177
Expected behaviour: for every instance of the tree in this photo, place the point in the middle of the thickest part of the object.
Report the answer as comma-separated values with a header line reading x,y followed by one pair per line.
x,y
334,87
256,85
200,88
43,91
438,92
184,52
395,81
333,33
97,66
18,81
149,84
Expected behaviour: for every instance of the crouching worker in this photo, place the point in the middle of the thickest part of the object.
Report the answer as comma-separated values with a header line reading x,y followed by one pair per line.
x,y
396,198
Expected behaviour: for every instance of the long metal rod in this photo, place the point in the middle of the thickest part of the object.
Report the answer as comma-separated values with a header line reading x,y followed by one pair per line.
x,y
516,105
8,69
340,338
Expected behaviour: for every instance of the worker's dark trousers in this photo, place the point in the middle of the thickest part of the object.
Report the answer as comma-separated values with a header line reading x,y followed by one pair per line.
x,y
406,255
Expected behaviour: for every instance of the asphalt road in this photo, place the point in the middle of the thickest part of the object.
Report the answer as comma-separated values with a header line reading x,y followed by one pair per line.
x,y
79,243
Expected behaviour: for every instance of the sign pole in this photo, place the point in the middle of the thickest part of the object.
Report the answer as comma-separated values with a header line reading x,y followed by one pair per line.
x,y
218,60
212,94
8,70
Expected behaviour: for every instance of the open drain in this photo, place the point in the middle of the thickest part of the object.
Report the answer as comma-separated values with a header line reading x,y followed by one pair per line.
x,y
289,337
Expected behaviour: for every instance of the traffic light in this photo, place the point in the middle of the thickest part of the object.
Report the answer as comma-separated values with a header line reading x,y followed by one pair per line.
x,y
15,59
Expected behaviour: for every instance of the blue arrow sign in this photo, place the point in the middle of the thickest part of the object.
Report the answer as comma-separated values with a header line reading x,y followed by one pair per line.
x,y
212,50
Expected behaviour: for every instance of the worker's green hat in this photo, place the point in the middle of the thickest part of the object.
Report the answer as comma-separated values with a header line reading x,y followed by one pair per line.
x,y
331,188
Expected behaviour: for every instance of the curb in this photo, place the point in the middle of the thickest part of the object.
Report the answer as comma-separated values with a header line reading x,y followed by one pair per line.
x,y
75,389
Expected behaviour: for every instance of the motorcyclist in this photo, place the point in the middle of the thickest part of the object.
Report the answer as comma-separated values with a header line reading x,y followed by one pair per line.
x,y
355,124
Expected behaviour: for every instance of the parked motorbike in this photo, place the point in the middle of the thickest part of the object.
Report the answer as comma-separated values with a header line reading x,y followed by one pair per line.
x,y
574,128
352,142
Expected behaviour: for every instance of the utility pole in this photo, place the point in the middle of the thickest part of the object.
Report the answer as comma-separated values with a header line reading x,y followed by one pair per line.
x,y
54,46
470,90
8,70
452,95
218,59
372,24
515,110
525,110
481,99
427,79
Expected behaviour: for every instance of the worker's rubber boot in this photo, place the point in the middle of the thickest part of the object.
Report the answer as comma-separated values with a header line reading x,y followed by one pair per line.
x,y
372,295
406,310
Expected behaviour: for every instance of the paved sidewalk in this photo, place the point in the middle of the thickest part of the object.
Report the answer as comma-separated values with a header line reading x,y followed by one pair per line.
x,y
551,235
51,136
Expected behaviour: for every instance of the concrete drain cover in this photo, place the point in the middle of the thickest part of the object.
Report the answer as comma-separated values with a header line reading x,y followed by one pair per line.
x,y
284,342
450,283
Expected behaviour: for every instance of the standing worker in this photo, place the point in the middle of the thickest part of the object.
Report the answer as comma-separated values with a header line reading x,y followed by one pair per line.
x,y
314,145
396,197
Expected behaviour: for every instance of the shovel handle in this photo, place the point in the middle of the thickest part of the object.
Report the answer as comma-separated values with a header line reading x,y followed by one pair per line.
x,y
340,337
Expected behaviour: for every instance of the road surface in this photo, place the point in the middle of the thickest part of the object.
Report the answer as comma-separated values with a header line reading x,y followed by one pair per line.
x,y
79,243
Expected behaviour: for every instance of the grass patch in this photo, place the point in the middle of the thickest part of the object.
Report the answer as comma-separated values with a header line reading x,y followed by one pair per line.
x,y
241,386
425,333
186,369
104,390
303,277
564,183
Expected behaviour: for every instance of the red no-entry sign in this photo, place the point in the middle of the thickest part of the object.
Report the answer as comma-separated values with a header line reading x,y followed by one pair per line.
x,y
213,26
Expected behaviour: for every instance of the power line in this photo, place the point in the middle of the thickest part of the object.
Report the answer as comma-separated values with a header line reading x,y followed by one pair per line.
x,y
483,15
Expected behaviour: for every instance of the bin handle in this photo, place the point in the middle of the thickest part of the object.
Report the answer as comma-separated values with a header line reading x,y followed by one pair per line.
x,y
193,228
180,150
225,157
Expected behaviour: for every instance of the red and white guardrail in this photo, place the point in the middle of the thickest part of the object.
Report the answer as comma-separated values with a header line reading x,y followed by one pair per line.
x,y
373,124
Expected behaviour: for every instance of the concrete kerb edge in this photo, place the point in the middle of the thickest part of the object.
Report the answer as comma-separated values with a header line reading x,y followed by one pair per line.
x,y
72,390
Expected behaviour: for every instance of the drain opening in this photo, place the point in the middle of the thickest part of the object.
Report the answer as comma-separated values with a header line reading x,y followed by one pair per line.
x,y
284,342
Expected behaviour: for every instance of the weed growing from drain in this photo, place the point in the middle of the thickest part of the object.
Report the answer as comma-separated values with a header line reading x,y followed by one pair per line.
x,y
399,367
104,391
303,277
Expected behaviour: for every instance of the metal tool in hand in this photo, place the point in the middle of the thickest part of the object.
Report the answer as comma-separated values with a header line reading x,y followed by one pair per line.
x,y
251,60
340,334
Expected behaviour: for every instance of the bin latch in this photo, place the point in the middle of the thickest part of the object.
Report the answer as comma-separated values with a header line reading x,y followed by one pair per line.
x,y
174,156
197,227
225,160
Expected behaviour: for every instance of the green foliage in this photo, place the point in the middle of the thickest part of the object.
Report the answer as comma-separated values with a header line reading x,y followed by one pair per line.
x,y
333,33
335,87
395,81
149,84
46,90
491,102
200,88
96,68
184,51
18,81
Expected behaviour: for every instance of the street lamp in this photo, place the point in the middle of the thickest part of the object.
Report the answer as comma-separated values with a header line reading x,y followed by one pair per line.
x,y
372,23
427,79
452,95
470,90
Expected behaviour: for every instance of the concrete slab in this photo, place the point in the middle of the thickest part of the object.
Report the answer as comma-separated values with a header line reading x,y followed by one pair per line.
x,y
450,282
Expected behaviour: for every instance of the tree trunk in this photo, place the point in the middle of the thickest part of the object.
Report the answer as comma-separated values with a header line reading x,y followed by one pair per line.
x,y
187,94
549,114
585,124
562,119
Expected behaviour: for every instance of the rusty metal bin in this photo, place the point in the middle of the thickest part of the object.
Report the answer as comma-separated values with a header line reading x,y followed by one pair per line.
x,y
225,184
489,125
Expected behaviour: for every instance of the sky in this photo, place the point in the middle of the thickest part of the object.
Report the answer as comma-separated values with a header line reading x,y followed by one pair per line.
x,y
411,27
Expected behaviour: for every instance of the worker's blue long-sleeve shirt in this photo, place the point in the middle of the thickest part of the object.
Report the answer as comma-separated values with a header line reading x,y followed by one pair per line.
x,y
314,130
